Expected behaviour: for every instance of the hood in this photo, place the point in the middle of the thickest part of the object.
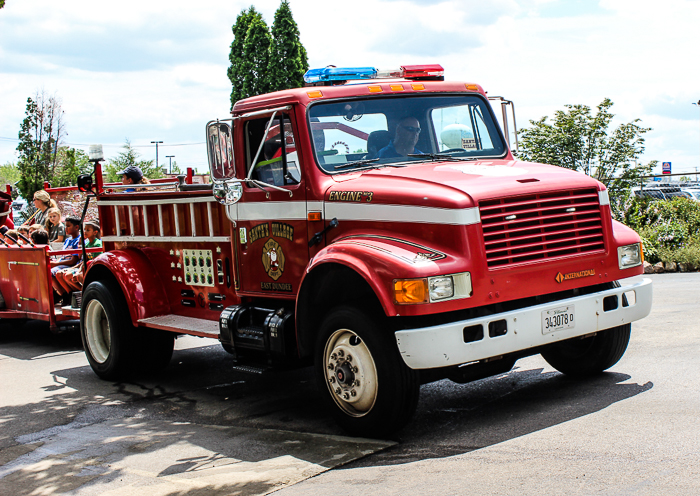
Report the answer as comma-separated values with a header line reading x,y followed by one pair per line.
x,y
455,184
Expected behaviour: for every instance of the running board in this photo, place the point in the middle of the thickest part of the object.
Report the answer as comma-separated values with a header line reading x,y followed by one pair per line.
x,y
183,325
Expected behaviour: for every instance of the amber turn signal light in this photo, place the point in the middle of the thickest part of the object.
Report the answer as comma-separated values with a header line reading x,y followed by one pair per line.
x,y
410,291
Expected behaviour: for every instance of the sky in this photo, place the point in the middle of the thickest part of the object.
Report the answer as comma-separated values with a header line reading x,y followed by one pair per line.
x,y
156,70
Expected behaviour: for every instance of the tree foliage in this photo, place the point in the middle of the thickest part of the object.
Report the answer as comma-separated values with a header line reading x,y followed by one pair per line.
x,y
580,140
129,156
256,57
40,137
288,60
262,61
235,70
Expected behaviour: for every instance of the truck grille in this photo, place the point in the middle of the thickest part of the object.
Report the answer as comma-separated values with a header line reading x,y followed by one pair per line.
x,y
541,226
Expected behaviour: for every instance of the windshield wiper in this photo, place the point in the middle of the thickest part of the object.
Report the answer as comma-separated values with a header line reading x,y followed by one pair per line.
x,y
356,162
435,156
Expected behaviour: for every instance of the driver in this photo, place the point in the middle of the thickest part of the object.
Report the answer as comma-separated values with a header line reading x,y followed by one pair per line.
x,y
405,139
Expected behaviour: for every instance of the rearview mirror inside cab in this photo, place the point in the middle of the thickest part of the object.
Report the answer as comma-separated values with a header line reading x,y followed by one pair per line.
x,y
220,151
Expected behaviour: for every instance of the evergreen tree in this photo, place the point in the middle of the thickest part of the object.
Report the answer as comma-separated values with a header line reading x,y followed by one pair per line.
x,y
235,70
130,157
256,57
288,60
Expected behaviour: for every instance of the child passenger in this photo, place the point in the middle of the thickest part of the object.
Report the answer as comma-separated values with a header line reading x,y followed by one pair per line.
x,y
54,226
39,236
72,279
72,242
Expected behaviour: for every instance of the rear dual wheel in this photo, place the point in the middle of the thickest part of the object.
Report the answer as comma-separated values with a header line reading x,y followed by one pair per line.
x,y
361,375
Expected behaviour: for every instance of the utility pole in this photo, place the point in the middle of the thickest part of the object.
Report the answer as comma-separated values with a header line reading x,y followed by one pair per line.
x,y
697,104
170,167
156,142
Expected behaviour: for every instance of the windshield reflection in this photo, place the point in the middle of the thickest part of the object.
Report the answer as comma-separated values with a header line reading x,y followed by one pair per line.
x,y
376,132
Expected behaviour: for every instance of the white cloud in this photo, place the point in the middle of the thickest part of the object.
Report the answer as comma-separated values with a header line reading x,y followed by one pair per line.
x,y
157,70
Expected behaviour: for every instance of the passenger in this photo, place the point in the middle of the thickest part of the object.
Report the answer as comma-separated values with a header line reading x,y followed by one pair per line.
x,y
35,227
405,139
40,236
54,226
11,237
24,230
43,202
72,279
72,242
133,175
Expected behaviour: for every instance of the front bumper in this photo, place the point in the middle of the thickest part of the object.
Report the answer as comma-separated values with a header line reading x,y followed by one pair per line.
x,y
444,345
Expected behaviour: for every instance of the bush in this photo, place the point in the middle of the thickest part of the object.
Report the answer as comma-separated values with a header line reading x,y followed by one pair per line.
x,y
670,229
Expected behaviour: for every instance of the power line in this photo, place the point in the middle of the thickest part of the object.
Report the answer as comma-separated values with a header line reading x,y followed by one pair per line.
x,y
117,145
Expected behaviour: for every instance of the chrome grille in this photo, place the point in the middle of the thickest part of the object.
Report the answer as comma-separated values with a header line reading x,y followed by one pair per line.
x,y
541,226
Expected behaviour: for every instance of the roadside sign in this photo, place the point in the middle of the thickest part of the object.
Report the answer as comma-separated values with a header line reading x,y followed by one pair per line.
x,y
666,167
657,179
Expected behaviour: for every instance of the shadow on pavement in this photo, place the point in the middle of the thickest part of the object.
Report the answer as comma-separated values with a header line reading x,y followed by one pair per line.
x,y
27,340
454,419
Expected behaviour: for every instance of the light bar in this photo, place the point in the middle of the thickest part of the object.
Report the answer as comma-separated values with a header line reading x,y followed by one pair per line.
x,y
338,74
331,73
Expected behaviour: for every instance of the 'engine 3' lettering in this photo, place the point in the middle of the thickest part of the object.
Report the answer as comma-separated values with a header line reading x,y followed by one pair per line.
x,y
351,196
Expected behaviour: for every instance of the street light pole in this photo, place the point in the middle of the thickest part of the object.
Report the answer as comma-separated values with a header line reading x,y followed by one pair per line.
x,y
170,167
697,104
156,142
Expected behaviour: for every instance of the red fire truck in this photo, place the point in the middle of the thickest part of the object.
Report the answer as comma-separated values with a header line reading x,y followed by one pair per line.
x,y
376,225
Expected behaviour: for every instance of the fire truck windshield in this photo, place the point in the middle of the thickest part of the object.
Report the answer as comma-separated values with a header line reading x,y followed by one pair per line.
x,y
376,132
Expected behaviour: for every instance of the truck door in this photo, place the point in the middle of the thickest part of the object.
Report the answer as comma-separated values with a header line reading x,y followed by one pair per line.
x,y
270,231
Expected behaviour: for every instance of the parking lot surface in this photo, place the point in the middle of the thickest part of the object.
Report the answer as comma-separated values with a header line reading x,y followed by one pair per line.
x,y
200,428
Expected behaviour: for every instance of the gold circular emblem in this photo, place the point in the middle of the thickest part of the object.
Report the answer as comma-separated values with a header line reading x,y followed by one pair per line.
x,y
273,259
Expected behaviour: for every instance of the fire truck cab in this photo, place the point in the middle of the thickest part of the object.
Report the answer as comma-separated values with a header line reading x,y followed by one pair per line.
x,y
376,225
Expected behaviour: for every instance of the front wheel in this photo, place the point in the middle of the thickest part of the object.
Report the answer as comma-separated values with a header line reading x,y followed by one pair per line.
x,y
589,356
361,375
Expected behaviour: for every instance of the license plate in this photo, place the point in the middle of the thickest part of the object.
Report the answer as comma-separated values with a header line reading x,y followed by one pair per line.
x,y
557,319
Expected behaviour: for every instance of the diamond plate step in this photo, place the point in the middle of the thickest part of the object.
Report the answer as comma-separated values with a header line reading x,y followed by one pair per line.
x,y
182,324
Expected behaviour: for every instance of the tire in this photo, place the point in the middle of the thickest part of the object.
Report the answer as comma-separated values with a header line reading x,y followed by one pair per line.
x,y
590,356
155,348
361,375
109,338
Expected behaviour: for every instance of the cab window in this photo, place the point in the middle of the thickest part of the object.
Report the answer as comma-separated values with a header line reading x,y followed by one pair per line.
x,y
277,161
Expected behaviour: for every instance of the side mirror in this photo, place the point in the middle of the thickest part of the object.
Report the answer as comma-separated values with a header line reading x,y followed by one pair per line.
x,y
228,193
85,183
220,151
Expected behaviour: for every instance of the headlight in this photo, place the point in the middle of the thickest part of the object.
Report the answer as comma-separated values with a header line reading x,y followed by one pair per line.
x,y
432,289
441,287
629,256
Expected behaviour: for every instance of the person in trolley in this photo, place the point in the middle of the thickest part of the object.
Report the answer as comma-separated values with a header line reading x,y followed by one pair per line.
x,y
132,175
43,202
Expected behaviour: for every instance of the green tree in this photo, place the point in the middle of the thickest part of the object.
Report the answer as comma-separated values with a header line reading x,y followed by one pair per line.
x,y
235,70
256,57
129,156
40,137
9,174
73,163
2,3
288,60
581,141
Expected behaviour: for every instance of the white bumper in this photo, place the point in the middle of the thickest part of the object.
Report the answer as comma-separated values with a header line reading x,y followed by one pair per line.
x,y
444,345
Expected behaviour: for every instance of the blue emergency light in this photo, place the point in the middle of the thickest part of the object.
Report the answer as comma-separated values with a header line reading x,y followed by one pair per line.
x,y
331,74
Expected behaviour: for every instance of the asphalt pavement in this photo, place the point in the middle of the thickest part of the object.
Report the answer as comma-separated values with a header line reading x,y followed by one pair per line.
x,y
200,428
